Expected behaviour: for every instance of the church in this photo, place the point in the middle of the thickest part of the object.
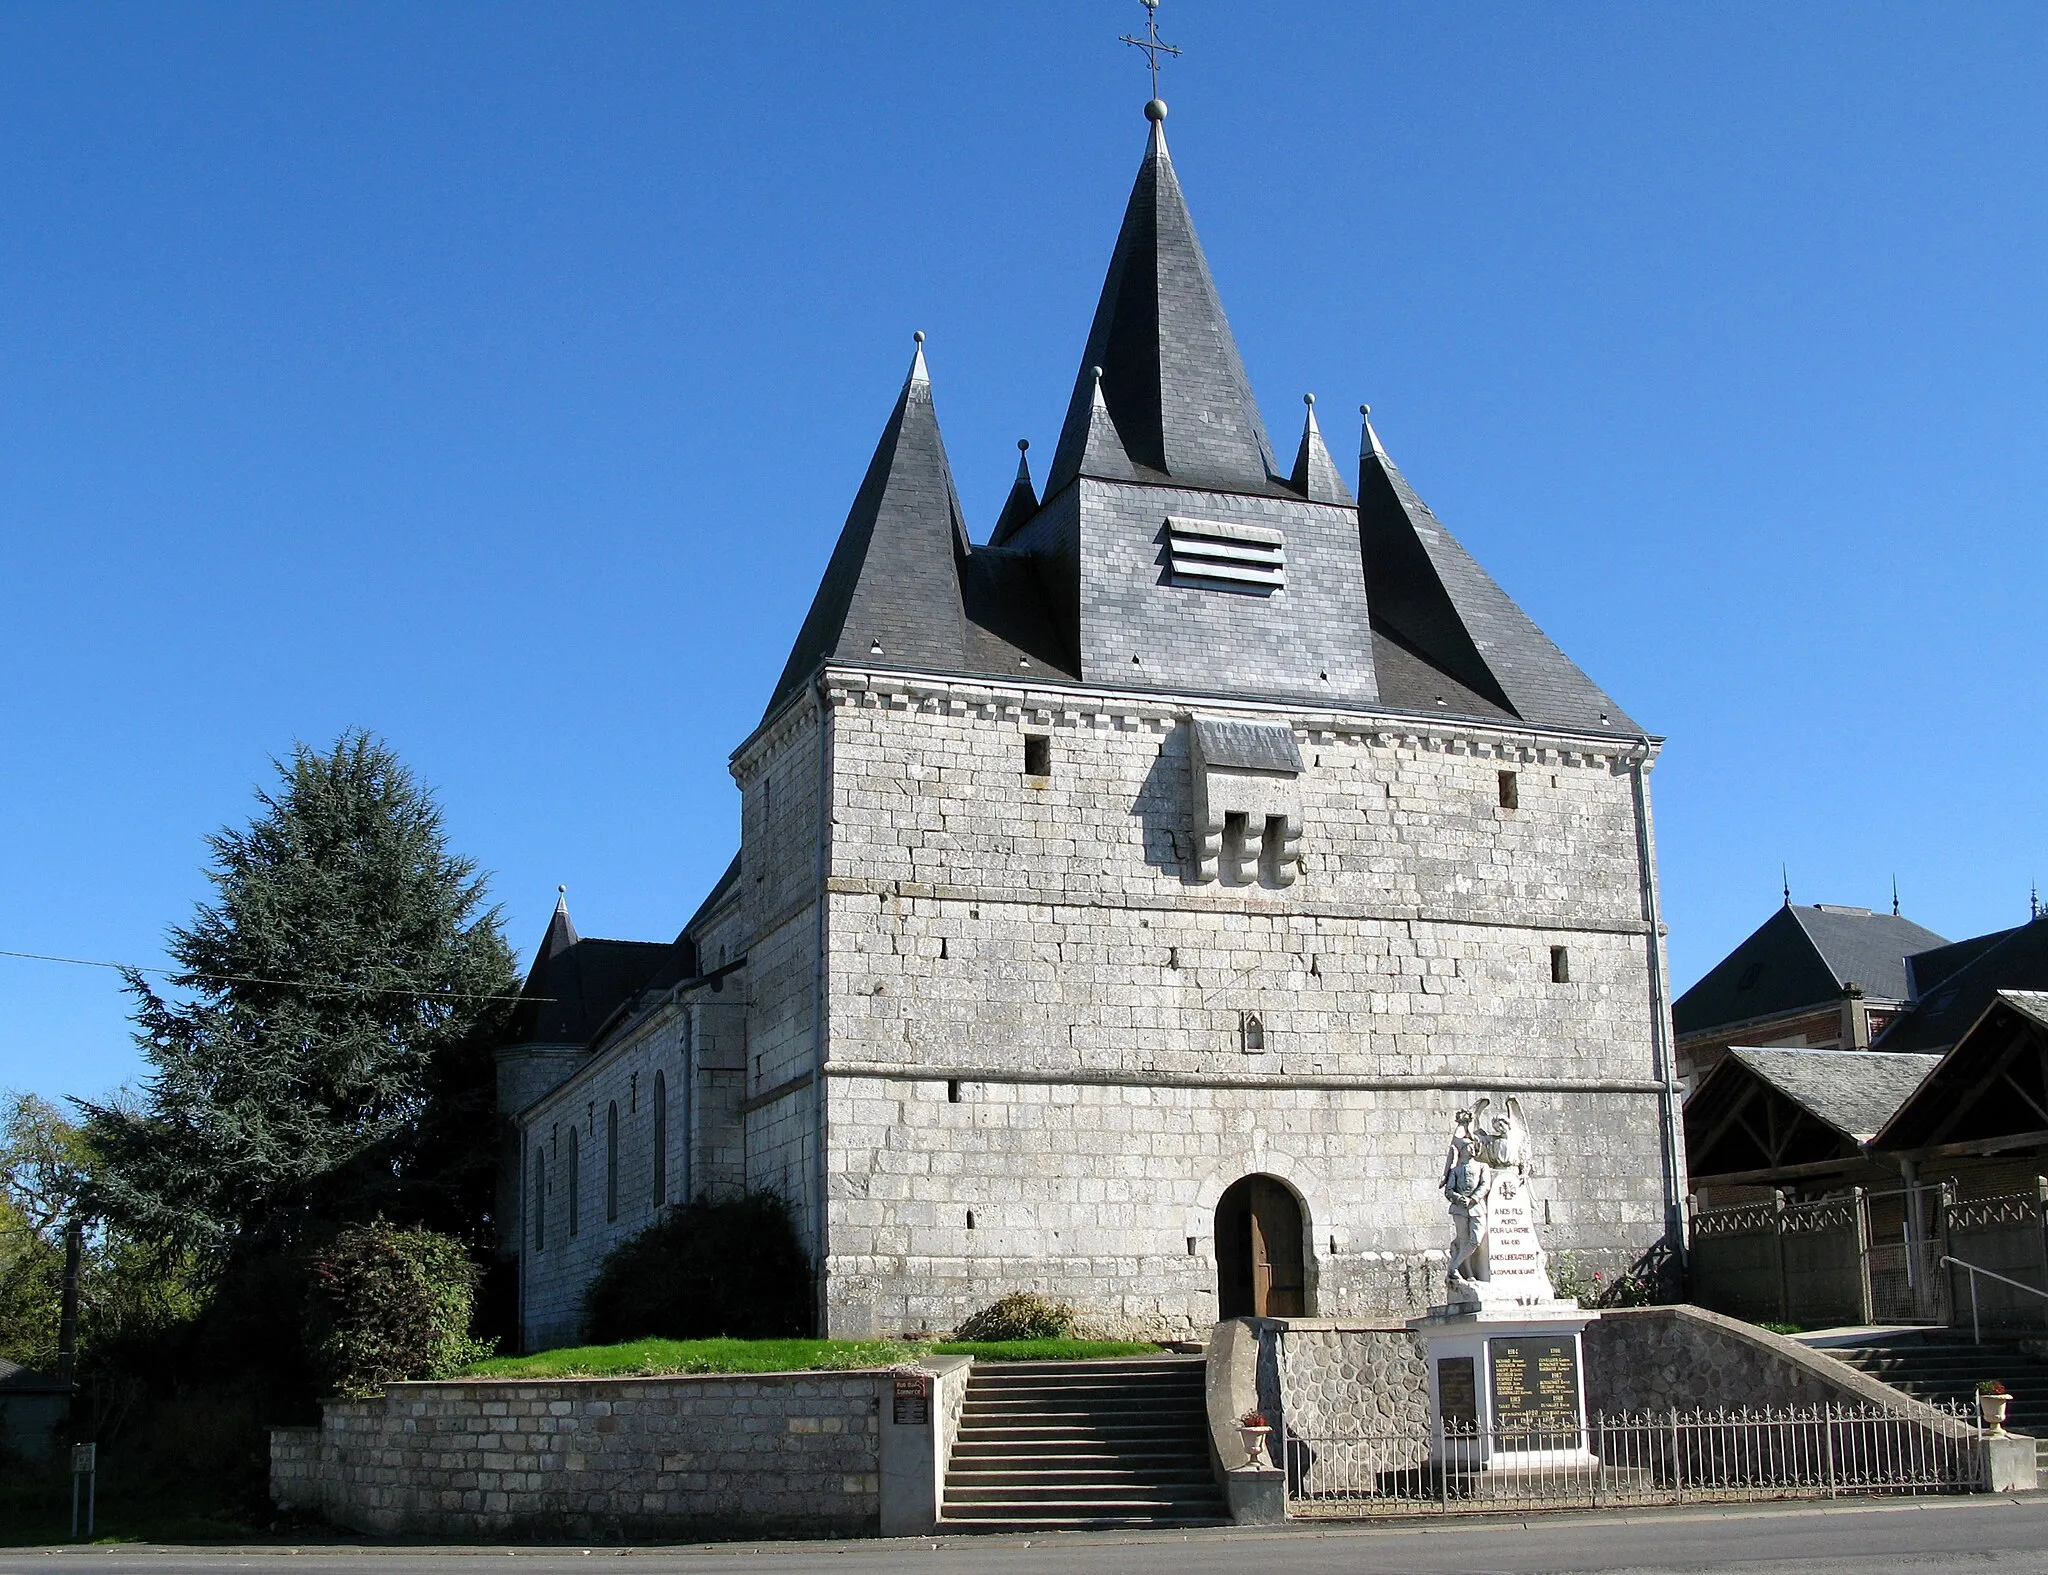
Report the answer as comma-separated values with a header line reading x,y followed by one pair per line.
x,y
1126,903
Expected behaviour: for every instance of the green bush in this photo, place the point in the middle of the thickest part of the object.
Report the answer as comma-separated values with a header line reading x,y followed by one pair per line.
x,y
1022,1315
388,1304
730,1268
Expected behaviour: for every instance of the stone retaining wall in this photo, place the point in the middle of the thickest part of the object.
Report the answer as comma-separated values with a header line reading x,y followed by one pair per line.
x,y
780,1454
1657,1358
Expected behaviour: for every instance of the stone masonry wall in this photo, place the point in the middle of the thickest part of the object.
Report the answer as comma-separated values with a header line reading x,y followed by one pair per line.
x,y
779,1454
777,773
695,1046
1352,1399
1038,1012
1657,1358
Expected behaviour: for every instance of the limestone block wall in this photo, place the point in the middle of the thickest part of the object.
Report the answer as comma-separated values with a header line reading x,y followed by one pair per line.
x,y
795,1454
295,1470
1104,1193
1039,1012
778,775
695,1046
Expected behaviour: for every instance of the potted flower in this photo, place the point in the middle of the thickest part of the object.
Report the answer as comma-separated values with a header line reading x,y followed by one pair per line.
x,y
1252,1429
1992,1399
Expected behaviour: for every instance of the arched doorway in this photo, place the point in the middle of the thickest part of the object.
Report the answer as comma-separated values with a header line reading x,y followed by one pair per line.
x,y
1260,1269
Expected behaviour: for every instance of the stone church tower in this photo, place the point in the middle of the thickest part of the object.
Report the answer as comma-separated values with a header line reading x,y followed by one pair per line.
x,y
1126,905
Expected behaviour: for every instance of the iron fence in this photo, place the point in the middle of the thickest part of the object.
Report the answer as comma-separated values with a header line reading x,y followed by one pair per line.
x,y
1639,1458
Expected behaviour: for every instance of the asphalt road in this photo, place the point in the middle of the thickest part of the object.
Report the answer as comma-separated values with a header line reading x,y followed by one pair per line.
x,y
1974,1537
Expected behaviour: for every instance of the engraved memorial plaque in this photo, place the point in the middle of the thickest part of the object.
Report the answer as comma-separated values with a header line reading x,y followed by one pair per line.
x,y
912,1401
1535,1384
1457,1392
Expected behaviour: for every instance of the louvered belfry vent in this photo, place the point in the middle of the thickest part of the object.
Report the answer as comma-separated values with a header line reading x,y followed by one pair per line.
x,y
1221,557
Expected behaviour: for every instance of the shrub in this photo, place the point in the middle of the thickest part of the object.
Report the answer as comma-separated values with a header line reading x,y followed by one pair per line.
x,y
1022,1315
733,1267
388,1304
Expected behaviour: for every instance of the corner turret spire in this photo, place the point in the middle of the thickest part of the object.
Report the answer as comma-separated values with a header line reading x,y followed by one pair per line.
x,y
1022,502
561,929
1316,476
1172,383
892,590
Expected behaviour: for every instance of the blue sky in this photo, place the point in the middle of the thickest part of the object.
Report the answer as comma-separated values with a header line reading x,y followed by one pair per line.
x,y
497,378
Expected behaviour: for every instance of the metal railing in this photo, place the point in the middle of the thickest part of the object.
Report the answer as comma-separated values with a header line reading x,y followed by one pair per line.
x,y
1973,1270
1638,1458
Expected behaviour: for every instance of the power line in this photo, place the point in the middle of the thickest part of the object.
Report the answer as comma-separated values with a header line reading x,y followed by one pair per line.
x,y
289,984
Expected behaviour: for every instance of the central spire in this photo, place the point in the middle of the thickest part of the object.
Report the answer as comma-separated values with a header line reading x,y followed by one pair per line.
x,y
1172,381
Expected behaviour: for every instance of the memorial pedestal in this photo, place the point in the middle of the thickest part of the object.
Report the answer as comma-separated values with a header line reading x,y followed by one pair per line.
x,y
1507,1386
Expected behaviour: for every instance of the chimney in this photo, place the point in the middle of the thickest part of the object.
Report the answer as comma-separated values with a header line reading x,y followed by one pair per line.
x,y
1855,1018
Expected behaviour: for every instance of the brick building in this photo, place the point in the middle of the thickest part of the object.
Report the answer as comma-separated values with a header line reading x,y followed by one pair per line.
x,y
1125,905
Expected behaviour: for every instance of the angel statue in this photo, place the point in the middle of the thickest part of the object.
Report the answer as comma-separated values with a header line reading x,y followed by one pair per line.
x,y
1505,1138
1467,1175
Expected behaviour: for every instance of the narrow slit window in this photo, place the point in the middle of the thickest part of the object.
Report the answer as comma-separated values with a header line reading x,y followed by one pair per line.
x,y
575,1184
540,1199
1251,1032
611,1161
660,1139
952,1090
1510,790
1037,755
1560,965
970,1219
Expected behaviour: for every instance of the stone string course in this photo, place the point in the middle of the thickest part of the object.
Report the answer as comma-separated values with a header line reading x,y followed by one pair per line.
x,y
770,1455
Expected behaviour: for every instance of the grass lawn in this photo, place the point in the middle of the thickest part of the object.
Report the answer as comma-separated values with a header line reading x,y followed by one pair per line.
x,y
659,1358
1040,1350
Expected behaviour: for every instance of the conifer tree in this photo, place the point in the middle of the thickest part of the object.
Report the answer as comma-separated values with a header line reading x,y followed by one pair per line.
x,y
318,1057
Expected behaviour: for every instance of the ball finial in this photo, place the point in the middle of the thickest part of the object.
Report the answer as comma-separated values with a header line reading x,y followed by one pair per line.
x,y
918,336
1023,444
564,890
1309,400
1365,410
1155,110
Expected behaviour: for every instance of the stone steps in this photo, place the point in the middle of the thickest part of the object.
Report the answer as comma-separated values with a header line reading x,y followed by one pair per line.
x,y
1047,1446
1938,1370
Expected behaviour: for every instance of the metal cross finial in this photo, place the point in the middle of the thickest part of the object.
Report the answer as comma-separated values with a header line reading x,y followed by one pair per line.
x,y
1151,44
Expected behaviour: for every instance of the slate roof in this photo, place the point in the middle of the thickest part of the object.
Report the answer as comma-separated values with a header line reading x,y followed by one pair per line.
x,y
1172,381
1803,957
1248,746
575,984
1963,1099
1430,594
1854,1091
1316,476
18,1380
2015,959
1162,400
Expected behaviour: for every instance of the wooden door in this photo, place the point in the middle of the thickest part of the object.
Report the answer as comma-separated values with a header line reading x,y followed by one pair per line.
x,y
1279,1287
1260,1271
